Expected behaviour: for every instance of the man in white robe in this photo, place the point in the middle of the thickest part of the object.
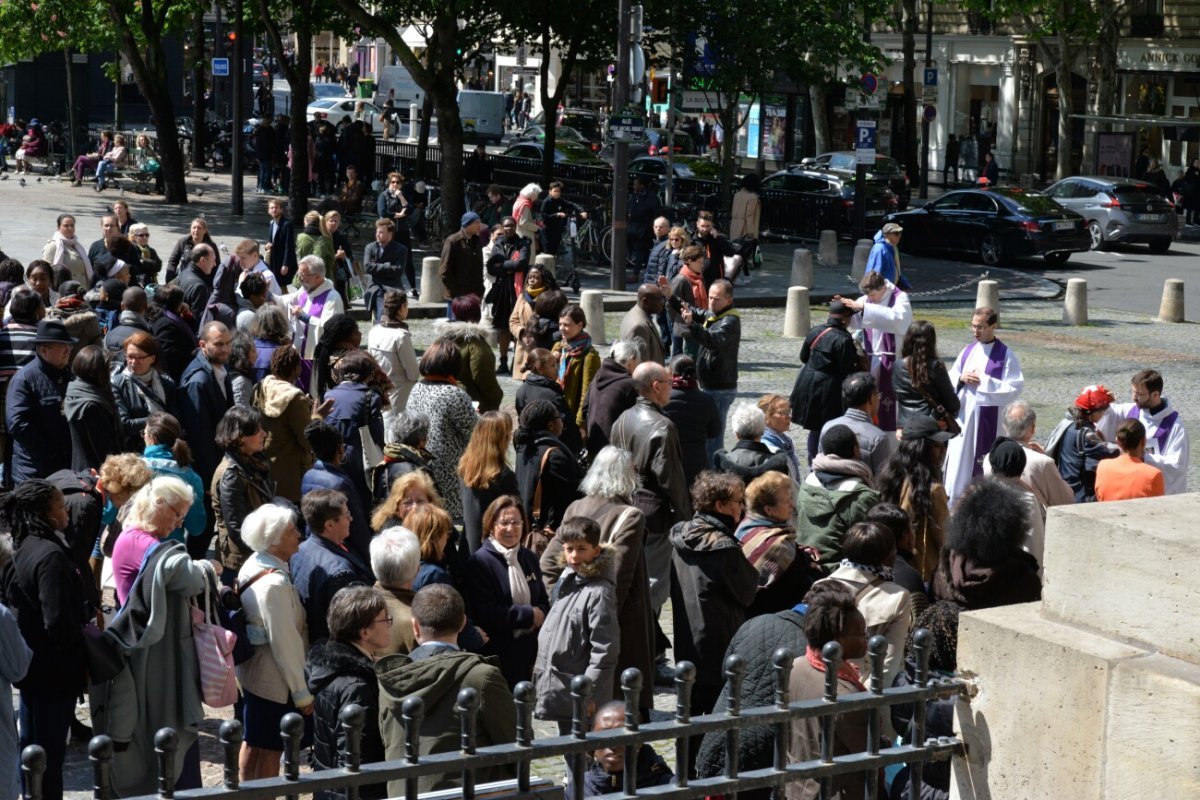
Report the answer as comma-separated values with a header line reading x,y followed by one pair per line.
x,y
988,377
883,313
1166,438
310,308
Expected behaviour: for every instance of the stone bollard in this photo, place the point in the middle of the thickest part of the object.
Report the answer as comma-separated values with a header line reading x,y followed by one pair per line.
x,y
859,266
592,303
414,123
431,282
797,318
828,252
802,269
988,294
1075,306
546,262
1171,308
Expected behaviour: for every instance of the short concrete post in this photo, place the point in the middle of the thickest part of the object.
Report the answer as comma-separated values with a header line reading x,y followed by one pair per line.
x,y
828,252
802,268
867,242
1075,306
546,262
797,318
859,266
1171,308
414,122
592,303
431,282
988,294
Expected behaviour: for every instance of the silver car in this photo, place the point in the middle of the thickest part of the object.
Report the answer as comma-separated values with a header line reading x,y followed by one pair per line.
x,y
1120,210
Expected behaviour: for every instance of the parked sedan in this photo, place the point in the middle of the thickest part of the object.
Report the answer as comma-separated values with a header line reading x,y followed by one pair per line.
x,y
995,225
1120,210
335,109
565,152
565,133
655,144
795,198
887,171
696,168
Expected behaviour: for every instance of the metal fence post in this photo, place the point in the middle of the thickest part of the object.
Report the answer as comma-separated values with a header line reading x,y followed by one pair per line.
x,y
781,663
581,693
734,673
100,750
291,727
166,743
33,765
831,655
230,734
352,718
922,648
467,708
524,695
412,711
876,650
685,676
631,687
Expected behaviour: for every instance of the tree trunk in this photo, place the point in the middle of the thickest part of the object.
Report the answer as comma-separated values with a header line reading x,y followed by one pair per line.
x,y
72,138
910,18
299,78
816,99
199,132
1066,107
729,114
423,136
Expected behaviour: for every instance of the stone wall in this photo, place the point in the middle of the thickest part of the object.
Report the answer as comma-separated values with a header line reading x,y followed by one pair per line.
x,y
1093,693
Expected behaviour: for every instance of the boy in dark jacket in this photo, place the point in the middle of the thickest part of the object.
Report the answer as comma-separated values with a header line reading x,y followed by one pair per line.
x,y
607,773
341,670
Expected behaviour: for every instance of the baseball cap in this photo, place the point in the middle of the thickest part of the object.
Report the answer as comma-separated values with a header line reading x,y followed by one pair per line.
x,y
1094,398
925,427
892,227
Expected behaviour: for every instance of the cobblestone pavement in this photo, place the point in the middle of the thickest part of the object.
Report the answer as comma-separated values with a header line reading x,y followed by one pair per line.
x,y
1057,361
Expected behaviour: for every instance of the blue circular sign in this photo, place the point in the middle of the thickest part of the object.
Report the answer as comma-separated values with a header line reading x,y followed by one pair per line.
x,y
869,83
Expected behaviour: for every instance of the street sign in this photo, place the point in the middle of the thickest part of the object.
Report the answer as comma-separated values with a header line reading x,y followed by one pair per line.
x,y
522,55
637,65
220,67
864,141
930,113
931,76
696,101
628,126
870,83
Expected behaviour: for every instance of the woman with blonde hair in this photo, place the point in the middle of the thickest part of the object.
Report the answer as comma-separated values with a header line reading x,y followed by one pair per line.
x,y
408,492
313,241
522,211
485,472
342,267
434,530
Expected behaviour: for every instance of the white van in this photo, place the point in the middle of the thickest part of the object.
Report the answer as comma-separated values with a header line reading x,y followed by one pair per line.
x,y
482,115
395,83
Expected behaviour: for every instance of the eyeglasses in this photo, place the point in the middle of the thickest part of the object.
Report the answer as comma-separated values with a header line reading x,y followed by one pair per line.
x,y
129,357
508,523
385,620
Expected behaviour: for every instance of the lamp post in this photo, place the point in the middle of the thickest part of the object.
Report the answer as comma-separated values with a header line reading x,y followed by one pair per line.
x,y
239,87
924,118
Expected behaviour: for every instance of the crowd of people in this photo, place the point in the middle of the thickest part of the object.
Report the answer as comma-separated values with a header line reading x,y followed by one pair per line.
x,y
387,526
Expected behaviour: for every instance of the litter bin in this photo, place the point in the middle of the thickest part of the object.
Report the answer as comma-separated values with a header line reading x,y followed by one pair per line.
x,y
366,88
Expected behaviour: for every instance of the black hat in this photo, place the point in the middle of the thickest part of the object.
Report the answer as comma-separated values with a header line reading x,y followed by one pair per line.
x,y
1007,457
924,427
51,331
839,309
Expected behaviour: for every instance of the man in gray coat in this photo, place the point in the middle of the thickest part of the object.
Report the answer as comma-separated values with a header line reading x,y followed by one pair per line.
x,y
640,323
860,395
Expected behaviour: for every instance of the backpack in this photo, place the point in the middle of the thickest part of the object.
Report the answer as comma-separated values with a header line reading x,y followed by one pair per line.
x,y
1054,443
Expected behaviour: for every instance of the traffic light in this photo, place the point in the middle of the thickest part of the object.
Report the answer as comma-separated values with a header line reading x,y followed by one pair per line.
x,y
658,91
231,36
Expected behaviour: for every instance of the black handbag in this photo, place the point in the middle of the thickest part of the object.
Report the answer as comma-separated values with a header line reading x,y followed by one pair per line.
x,y
104,662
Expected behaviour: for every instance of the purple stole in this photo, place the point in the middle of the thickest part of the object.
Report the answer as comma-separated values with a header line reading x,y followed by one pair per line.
x,y
886,416
1162,432
987,423
318,305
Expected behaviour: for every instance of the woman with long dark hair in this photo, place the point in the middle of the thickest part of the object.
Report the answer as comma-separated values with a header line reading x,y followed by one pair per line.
x,y
91,411
912,480
241,483
242,357
547,472
920,378
45,591
339,335
175,335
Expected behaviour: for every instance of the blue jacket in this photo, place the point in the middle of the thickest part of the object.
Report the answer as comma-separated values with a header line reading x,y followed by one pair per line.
x,y
334,476
658,263
882,259
319,569
162,462
356,406
201,406
41,438
14,661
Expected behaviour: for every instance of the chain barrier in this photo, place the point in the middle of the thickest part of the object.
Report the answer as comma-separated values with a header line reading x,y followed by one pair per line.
x,y
935,292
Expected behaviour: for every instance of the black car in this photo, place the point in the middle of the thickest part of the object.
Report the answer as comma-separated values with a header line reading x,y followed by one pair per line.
x,y
804,201
655,144
995,225
887,171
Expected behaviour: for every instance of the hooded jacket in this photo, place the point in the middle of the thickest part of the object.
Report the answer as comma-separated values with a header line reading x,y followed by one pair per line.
x,y
610,395
478,373
286,412
95,429
831,500
340,674
749,459
578,637
714,586
829,357
436,673
202,402
40,439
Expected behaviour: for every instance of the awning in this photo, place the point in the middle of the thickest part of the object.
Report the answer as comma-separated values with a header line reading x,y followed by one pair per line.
x,y
1180,128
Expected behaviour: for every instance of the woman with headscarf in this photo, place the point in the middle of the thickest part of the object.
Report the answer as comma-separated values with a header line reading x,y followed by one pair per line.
x,y
67,254
522,211
547,472
1083,446
578,363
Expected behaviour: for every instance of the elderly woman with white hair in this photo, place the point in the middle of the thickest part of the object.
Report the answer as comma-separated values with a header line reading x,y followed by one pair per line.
x,y
395,559
272,680
749,458
608,491
527,227
156,580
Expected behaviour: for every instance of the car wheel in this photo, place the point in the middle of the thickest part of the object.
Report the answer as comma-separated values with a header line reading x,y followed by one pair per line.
x,y
1160,245
990,250
1094,231
1056,258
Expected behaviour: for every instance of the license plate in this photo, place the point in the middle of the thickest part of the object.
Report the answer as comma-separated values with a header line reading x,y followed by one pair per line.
x,y
1064,226
1148,217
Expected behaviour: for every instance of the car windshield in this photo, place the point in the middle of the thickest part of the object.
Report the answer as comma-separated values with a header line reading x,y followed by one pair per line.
x,y
325,103
323,90
1137,193
1029,202
841,161
886,166
573,151
588,126
698,168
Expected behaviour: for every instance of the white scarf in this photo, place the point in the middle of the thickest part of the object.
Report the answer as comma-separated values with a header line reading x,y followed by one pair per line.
x,y
61,243
517,585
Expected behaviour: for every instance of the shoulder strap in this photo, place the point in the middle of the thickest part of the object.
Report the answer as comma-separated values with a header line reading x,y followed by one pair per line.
x,y
873,583
606,536
537,493
820,336
241,589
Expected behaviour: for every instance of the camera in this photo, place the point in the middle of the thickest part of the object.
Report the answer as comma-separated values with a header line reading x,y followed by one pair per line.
x,y
675,303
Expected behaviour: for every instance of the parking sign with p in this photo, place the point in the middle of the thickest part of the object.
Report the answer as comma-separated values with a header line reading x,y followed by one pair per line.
x,y
864,141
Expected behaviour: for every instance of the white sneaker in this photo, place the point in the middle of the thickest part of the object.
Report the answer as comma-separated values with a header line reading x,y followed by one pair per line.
x,y
742,280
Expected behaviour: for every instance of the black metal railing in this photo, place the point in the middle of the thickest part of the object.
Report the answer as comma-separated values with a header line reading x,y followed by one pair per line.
x,y
801,214
465,762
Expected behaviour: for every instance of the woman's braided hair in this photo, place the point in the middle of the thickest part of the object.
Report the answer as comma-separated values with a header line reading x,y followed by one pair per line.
x,y
25,509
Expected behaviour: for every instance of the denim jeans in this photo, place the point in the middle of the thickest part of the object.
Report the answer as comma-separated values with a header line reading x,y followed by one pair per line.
x,y
46,716
102,170
724,399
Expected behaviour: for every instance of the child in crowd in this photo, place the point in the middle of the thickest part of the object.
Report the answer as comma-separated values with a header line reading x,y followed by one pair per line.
x,y
607,773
